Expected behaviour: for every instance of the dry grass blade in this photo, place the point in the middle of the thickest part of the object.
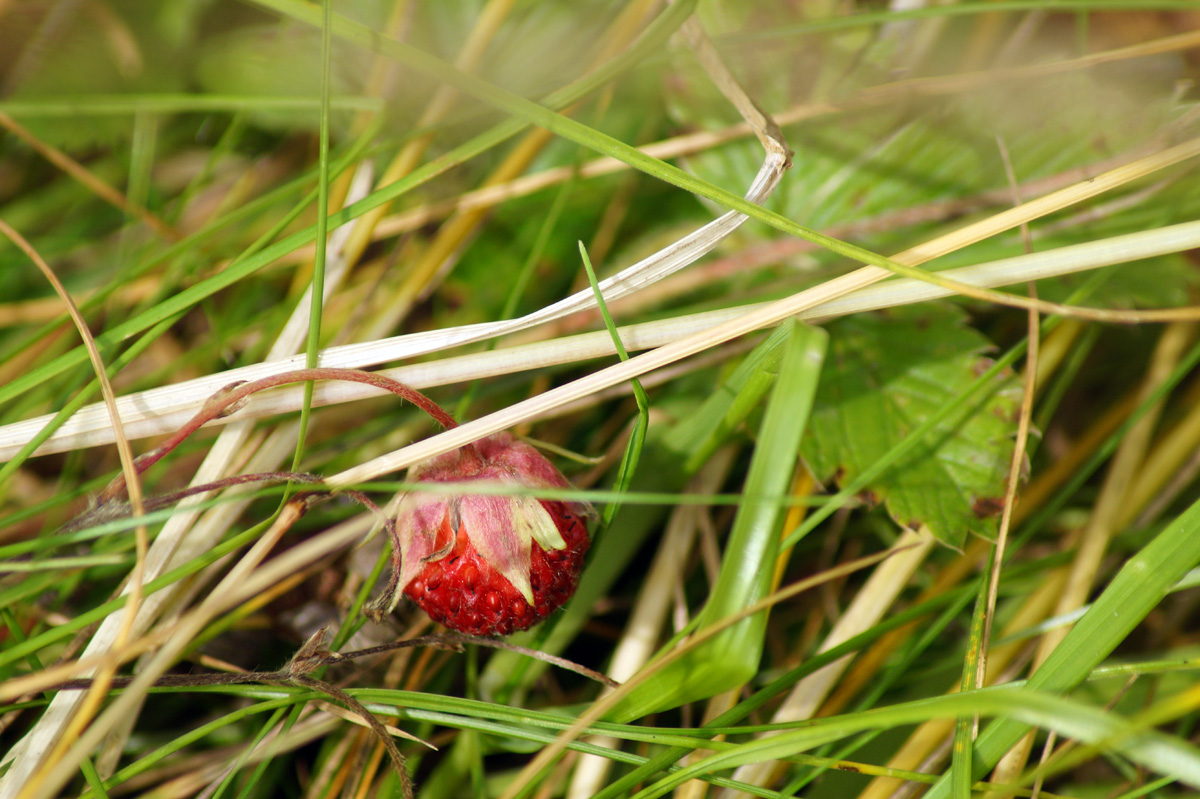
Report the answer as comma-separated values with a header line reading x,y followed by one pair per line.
x,y
647,271
750,322
161,411
90,704
1019,460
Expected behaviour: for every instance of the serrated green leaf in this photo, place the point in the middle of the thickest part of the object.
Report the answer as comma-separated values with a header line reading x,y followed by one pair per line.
x,y
876,167
886,374
888,158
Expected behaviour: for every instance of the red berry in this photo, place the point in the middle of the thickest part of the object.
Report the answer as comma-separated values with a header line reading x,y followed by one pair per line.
x,y
465,593
487,564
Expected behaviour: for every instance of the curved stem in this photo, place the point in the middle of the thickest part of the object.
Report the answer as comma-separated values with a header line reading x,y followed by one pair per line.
x,y
230,399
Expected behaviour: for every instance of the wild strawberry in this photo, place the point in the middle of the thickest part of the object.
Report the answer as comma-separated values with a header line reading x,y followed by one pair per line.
x,y
487,564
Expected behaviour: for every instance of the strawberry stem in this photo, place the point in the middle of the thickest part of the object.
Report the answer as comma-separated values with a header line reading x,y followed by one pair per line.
x,y
231,398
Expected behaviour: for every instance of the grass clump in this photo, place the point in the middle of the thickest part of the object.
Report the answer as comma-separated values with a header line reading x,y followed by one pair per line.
x,y
892,451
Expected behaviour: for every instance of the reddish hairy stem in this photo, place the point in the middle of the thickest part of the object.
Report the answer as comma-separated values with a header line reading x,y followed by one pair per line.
x,y
230,399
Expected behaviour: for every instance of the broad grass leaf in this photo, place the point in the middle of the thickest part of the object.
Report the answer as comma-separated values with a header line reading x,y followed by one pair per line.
x,y
886,374
731,658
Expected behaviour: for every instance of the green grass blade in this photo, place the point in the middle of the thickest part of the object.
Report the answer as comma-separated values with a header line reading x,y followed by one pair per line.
x,y
317,296
177,744
698,436
732,658
964,728
93,778
637,439
1137,589
1071,719
239,763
